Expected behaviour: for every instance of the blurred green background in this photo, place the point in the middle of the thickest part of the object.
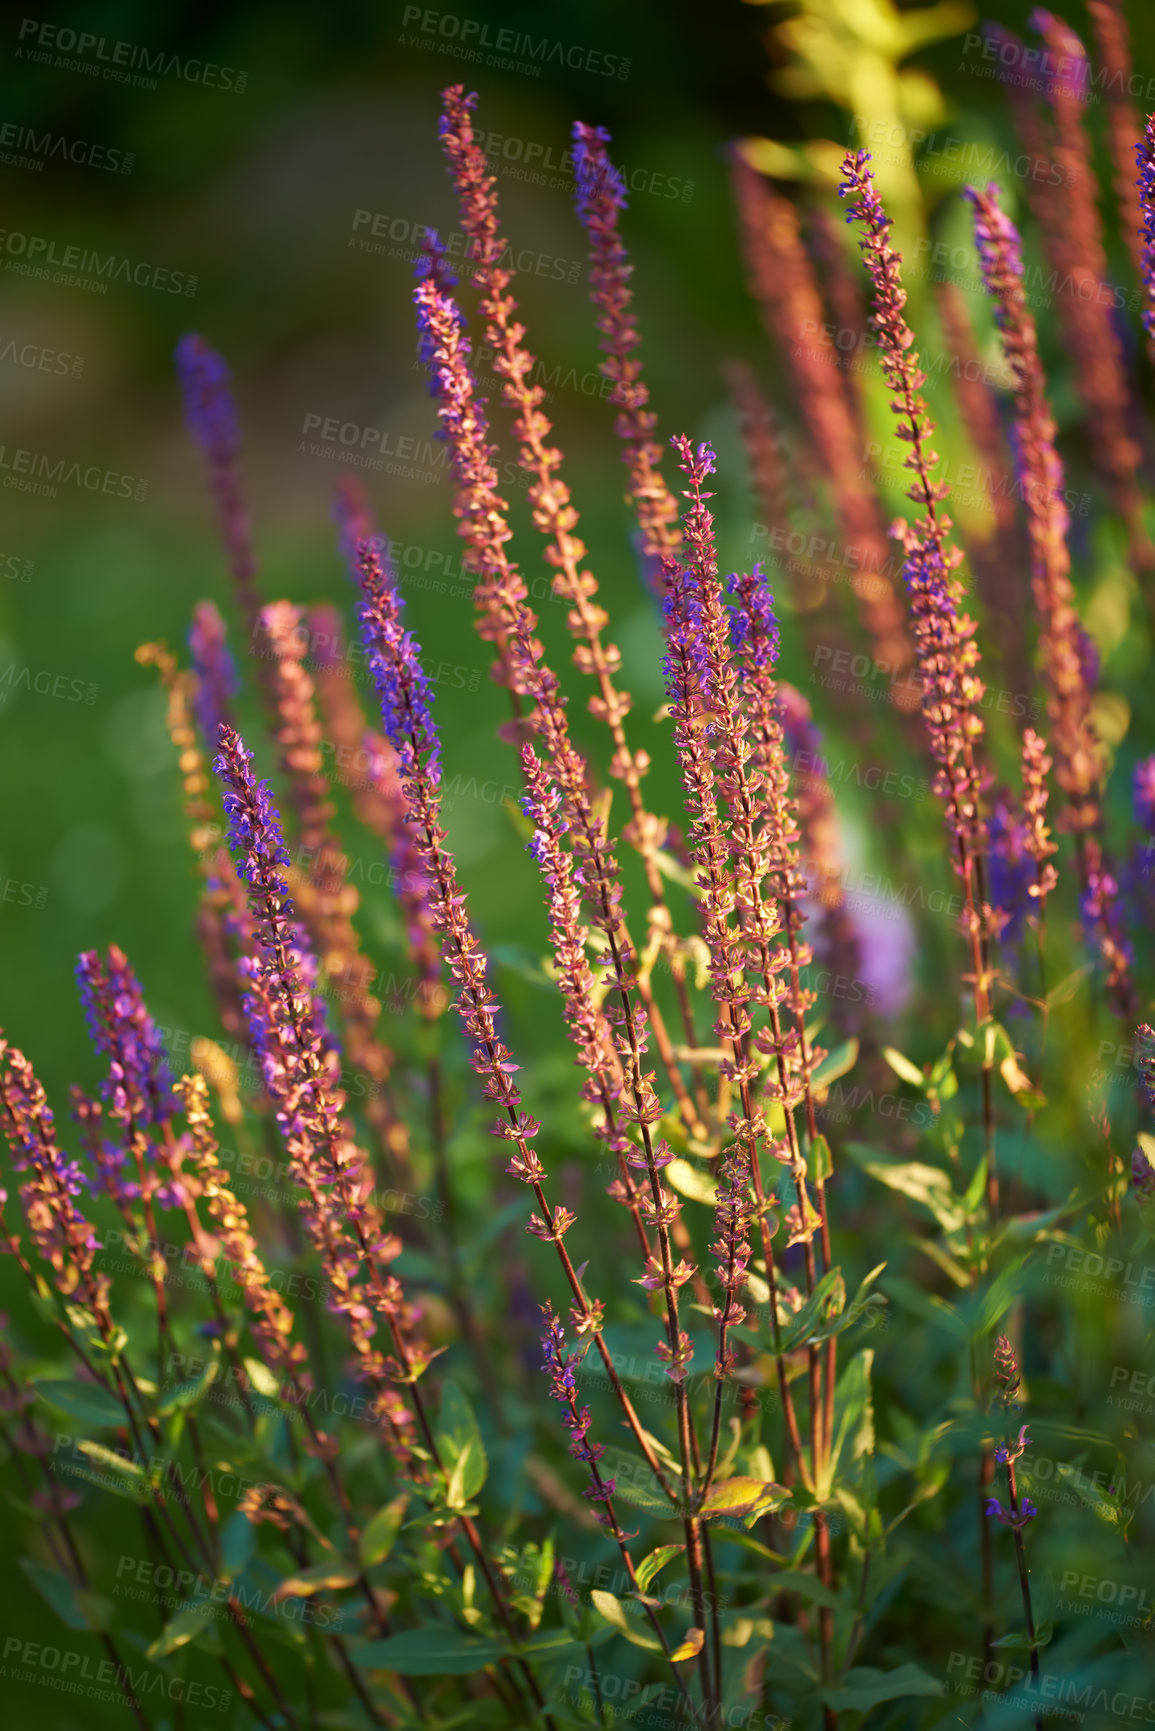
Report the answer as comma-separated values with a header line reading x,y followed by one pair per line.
x,y
255,194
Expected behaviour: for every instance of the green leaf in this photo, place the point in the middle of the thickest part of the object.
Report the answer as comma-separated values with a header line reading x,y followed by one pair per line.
x,y
462,1450
1065,990
743,1496
616,1615
863,1301
923,1184
238,1541
854,1409
378,1538
73,1605
826,1301
1021,1641
903,1067
691,1182
819,1159
188,1394
335,1572
189,1623
1093,1495
649,1566
864,1687
121,1477
428,1653
835,1064
86,1401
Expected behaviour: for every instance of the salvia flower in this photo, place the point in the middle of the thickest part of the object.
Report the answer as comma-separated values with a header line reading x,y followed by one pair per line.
x,y
1123,130
944,638
272,1320
1145,157
784,284
139,1085
1011,871
287,1031
216,671
1016,1519
1074,240
212,417
1143,794
353,519
208,401
52,1182
600,198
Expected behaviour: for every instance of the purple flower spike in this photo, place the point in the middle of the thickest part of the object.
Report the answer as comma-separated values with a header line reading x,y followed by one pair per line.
x,y
1145,156
1143,786
600,199
216,670
255,836
753,625
601,188
61,1233
208,402
402,683
139,1087
354,522
560,1367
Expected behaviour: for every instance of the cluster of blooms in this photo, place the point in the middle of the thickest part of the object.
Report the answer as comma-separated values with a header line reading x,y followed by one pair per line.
x,y
1062,640
762,847
783,280
212,418
62,1235
297,1062
944,638
600,199
326,898
1072,235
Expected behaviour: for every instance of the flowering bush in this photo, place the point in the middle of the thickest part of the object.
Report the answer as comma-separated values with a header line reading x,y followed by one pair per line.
x,y
814,1386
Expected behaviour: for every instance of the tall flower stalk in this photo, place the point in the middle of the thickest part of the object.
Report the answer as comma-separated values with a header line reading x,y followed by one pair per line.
x,y
730,745
554,513
1072,235
483,522
1062,639
326,898
944,638
405,708
212,419
600,199
783,283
